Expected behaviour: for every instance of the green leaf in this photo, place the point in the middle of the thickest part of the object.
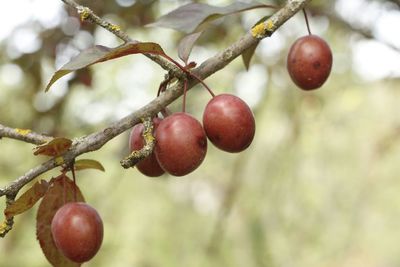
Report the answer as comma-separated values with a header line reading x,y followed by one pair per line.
x,y
27,200
100,53
186,45
52,201
83,164
54,147
248,54
190,17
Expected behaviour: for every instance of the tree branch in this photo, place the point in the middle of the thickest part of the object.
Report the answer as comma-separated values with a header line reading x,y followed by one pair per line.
x,y
88,15
268,27
8,223
96,140
149,142
25,135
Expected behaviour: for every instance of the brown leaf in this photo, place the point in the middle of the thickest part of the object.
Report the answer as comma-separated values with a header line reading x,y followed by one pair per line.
x,y
52,201
27,200
186,45
100,53
54,147
248,54
83,164
190,17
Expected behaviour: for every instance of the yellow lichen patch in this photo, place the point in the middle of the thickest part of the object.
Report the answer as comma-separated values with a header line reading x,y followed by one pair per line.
x,y
4,228
23,131
258,30
115,28
84,12
59,160
149,137
270,25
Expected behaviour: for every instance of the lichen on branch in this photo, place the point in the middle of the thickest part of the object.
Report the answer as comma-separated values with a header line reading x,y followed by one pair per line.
x,y
137,155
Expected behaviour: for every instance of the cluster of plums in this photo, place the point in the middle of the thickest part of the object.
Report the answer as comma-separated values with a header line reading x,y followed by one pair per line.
x,y
309,62
181,140
181,145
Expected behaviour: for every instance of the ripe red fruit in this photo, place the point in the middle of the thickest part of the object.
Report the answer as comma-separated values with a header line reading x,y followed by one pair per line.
x,y
149,166
77,231
229,123
309,62
181,144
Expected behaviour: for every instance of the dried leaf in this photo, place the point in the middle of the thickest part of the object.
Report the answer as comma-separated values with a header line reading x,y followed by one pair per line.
x,y
54,147
186,45
52,201
100,53
27,200
248,54
189,17
83,164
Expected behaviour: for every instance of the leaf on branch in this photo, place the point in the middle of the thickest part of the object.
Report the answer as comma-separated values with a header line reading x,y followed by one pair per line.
x,y
248,54
83,164
100,53
186,45
27,200
52,201
191,17
54,147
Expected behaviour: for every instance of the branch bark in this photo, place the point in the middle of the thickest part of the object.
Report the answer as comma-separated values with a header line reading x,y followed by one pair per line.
x,y
96,140
25,135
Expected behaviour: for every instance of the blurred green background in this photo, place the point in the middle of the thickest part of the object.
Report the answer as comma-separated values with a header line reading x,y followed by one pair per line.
x,y
318,186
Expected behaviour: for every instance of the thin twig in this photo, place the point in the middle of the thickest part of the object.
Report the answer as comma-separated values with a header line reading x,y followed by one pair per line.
x,y
25,135
8,223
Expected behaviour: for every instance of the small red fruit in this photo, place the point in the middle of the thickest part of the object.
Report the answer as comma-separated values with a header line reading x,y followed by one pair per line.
x,y
309,62
77,231
229,123
149,166
181,144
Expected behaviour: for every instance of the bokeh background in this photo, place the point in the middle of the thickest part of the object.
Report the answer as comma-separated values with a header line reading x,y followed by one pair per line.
x,y
318,186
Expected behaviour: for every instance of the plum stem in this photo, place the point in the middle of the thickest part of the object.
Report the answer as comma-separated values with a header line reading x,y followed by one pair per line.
x,y
188,72
73,178
64,188
184,96
306,18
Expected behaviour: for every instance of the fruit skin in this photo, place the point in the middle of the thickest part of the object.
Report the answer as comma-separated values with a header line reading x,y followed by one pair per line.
x,y
77,231
229,123
149,166
181,144
309,62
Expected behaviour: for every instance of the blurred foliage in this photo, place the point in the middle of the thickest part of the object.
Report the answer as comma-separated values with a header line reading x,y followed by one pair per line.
x,y
318,186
